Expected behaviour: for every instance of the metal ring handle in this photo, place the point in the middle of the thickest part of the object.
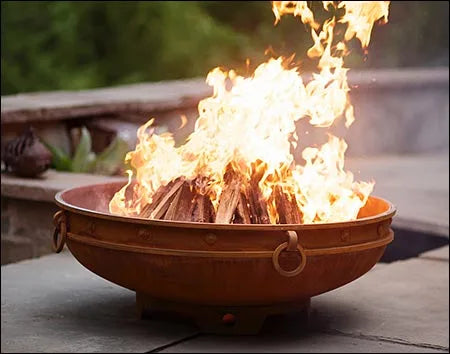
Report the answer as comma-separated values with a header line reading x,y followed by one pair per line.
x,y
288,246
59,220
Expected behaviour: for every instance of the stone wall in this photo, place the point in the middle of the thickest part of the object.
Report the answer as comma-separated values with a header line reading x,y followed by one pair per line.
x,y
27,209
27,228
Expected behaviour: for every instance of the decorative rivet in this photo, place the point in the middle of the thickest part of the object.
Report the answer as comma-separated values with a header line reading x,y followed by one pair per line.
x,y
345,235
91,227
210,239
144,234
229,319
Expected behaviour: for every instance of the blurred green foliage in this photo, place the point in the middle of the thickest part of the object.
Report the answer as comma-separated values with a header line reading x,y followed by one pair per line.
x,y
84,160
76,45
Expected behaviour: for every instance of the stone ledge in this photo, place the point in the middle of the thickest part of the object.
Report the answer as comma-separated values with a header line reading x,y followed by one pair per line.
x,y
137,98
169,95
396,78
52,182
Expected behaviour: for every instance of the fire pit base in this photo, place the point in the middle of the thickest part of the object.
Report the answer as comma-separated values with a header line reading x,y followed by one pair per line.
x,y
231,320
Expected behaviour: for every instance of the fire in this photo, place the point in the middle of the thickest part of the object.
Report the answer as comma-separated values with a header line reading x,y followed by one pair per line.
x,y
250,129
360,17
296,8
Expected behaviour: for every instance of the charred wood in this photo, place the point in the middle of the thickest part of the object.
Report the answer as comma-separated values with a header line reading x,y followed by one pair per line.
x,y
287,207
182,205
161,200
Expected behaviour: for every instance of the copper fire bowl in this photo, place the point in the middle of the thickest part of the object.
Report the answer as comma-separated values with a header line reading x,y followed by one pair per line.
x,y
218,264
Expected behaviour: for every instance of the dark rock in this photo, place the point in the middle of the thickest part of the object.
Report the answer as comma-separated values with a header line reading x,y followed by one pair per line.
x,y
26,156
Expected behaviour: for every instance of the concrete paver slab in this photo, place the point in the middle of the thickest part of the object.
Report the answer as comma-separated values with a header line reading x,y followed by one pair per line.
x,y
406,301
53,304
438,254
306,343
397,307
418,185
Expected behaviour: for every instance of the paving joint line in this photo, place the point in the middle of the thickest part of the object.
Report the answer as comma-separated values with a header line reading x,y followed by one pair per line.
x,y
171,344
332,332
434,259
384,339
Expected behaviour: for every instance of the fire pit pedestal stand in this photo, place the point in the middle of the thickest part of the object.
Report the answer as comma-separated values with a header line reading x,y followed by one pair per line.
x,y
232,320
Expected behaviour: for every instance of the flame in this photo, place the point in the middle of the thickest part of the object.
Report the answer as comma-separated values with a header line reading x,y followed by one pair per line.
x,y
323,178
249,124
184,121
361,16
297,8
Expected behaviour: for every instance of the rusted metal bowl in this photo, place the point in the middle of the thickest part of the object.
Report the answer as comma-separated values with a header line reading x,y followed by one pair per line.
x,y
218,265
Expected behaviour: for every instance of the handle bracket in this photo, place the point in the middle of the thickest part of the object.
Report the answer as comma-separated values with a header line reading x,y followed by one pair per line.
x,y
60,233
291,245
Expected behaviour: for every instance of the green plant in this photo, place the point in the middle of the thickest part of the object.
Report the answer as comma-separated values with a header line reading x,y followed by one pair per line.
x,y
108,162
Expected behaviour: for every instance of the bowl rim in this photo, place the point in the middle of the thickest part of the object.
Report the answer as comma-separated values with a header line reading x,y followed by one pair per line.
x,y
59,200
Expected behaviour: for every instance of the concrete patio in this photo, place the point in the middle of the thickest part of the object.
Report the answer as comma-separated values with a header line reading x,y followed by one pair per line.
x,y
53,304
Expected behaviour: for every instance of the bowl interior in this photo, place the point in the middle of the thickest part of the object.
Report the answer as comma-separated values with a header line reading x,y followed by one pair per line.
x,y
94,199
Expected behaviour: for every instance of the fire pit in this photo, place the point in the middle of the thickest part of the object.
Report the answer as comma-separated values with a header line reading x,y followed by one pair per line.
x,y
229,277
229,227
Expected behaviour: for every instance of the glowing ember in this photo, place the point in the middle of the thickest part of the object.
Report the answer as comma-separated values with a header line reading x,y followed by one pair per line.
x,y
249,130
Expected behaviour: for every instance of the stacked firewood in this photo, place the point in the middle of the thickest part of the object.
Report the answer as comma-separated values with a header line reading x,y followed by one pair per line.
x,y
240,202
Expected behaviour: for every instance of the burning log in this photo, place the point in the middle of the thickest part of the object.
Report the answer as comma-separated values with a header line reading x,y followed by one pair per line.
x,y
256,202
242,214
229,197
240,202
228,202
161,200
257,205
203,209
287,207
182,205
173,205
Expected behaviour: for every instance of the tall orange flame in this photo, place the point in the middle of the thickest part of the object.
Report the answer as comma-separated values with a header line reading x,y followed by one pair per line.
x,y
252,125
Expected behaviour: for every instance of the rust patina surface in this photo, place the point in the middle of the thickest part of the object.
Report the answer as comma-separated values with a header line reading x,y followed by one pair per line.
x,y
205,265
